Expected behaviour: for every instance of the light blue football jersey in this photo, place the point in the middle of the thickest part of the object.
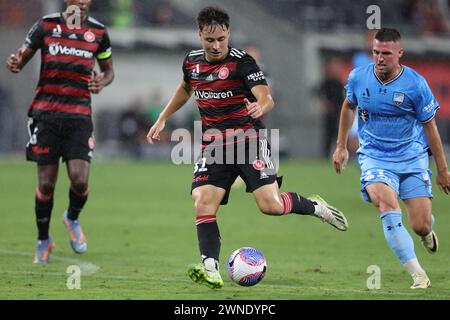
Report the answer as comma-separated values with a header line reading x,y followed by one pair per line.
x,y
391,114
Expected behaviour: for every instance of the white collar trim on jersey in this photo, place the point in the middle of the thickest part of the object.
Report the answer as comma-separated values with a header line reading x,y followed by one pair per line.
x,y
392,80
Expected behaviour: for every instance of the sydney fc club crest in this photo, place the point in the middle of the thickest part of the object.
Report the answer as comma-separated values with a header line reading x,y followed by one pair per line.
x,y
399,98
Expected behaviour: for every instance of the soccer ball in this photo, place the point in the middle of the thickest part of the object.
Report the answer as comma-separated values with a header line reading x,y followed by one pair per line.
x,y
247,266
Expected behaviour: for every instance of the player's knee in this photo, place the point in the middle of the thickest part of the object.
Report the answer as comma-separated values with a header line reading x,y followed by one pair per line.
x,y
78,184
384,205
46,187
383,202
203,203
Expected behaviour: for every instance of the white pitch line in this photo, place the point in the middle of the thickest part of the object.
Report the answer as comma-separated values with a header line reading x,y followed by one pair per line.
x,y
379,291
61,274
87,268
295,289
90,269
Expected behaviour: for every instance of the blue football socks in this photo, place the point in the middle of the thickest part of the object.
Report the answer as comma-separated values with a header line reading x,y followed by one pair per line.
x,y
397,237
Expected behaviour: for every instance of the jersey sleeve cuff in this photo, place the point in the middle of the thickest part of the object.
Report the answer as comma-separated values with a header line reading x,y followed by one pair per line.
x,y
353,105
254,84
432,116
29,44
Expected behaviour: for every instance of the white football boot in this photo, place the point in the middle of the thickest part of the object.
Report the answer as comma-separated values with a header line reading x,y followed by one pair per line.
x,y
430,242
421,280
329,214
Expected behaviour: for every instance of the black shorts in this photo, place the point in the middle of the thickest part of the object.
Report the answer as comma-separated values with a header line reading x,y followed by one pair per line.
x,y
256,169
66,138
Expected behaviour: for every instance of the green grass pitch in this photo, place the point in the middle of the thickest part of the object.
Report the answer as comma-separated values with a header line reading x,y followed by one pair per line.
x,y
139,223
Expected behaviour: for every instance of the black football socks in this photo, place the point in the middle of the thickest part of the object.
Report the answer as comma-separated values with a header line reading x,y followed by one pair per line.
x,y
43,209
295,203
76,204
208,236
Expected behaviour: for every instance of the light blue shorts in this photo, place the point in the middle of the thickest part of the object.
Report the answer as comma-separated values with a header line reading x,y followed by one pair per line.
x,y
407,185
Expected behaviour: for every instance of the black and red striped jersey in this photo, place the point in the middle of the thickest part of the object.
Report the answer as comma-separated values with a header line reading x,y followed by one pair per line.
x,y
220,88
67,61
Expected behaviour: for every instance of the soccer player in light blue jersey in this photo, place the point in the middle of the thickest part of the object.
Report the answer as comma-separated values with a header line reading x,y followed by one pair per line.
x,y
397,133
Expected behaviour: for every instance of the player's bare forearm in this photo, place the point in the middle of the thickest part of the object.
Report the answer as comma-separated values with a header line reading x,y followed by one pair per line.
x,y
264,101
340,155
346,119
27,55
181,95
99,81
435,143
16,62
106,66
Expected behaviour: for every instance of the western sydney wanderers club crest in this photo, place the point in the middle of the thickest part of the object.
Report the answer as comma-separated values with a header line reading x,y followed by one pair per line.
x,y
224,73
258,164
89,36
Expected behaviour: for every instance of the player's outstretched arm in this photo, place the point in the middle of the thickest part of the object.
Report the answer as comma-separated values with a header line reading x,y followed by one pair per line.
x,y
181,95
435,143
16,62
340,155
264,102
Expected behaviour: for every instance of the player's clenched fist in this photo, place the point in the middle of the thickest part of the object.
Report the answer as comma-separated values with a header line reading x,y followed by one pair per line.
x,y
95,84
253,108
14,62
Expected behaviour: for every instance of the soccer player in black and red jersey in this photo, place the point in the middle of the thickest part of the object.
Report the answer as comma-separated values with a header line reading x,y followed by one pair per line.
x,y
60,123
232,95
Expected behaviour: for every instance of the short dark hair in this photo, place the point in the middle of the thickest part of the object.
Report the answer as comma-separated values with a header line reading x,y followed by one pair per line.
x,y
387,34
211,16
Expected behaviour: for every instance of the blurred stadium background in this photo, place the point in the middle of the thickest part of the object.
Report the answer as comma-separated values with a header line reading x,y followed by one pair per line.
x,y
291,39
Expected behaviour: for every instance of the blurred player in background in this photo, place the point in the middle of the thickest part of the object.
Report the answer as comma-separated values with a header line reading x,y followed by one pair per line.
x,y
331,92
231,93
397,111
60,123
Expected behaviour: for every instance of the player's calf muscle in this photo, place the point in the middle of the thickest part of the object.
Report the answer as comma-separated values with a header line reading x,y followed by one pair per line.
x,y
272,207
